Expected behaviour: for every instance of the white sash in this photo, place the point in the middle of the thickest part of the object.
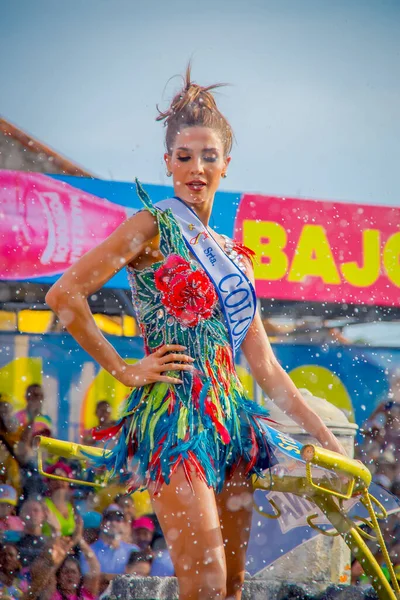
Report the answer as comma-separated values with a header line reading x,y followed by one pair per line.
x,y
235,291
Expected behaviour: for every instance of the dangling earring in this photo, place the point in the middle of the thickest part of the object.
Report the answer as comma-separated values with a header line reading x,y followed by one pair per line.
x,y
169,173
224,175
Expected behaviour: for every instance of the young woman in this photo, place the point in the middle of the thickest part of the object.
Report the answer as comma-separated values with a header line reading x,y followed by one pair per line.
x,y
63,578
71,585
188,432
59,509
14,583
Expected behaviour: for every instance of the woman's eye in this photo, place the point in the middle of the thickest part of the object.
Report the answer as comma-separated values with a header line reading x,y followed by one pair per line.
x,y
205,158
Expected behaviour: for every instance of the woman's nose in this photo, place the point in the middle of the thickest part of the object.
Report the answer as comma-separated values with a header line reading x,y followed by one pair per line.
x,y
197,166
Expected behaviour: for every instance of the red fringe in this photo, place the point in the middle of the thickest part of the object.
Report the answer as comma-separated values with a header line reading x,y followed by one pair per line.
x,y
233,468
224,362
186,470
175,465
106,433
172,400
156,455
199,469
211,411
247,252
196,390
159,482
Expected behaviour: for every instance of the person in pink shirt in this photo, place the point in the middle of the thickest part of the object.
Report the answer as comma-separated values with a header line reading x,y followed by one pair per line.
x,y
68,582
8,502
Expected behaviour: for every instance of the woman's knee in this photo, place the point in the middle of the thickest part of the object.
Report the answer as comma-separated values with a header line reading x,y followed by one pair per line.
x,y
202,580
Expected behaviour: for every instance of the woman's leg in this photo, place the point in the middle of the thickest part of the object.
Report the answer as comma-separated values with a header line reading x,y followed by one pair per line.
x,y
191,527
235,506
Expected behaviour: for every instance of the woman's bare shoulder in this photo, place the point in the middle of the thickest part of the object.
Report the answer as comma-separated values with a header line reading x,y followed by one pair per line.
x,y
103,261
128,240
142,222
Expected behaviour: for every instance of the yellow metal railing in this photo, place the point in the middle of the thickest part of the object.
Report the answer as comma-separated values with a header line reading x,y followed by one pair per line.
x,y
352,479
68,450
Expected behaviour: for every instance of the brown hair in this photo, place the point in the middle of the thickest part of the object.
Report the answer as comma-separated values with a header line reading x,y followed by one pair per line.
x,y
195,106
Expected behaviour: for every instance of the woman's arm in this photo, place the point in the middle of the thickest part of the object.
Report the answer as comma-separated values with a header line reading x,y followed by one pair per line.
x,y
68,299
68,296
276,383
44,567
91,580
24,450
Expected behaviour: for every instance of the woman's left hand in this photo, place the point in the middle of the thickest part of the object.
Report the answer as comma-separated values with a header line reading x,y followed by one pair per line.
x,y
330,442
53,522
58,550
78,533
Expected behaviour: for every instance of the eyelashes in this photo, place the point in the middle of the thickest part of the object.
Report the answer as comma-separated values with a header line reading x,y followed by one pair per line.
x,y
206,158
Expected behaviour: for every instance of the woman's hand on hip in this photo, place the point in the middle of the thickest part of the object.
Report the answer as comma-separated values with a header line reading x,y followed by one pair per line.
x,y
154,368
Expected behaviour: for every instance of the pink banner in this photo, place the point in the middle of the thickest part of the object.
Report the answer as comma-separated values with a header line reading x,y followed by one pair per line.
x,y
46,225
309,250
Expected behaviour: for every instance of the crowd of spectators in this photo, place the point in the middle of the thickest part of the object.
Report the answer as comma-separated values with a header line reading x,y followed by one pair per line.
x,y
63,542
380,451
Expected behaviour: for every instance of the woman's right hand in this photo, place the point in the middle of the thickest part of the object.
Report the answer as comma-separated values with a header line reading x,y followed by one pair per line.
x,y
151,369
53,522
58,550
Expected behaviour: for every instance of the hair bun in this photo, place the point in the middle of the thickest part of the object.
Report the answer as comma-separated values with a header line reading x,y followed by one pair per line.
x,y
195,106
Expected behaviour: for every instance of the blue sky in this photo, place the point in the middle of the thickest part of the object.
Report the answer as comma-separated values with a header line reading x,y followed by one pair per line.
x,y
314,100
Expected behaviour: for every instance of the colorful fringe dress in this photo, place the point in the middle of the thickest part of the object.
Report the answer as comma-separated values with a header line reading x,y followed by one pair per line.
x,y
207,425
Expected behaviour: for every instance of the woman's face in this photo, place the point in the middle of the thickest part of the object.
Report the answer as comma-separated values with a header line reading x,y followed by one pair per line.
x,y
70,575
5,510
197,163
32,513
9,559
127,506
58,484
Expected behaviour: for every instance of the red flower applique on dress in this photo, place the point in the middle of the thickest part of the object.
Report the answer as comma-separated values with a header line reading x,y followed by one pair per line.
x,y
186,294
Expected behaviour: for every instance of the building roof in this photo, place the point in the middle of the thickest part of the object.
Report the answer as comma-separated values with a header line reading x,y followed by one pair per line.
x,y
64,165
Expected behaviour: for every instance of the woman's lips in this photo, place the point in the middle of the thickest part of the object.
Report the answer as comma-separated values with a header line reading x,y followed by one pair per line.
x,y
196,186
